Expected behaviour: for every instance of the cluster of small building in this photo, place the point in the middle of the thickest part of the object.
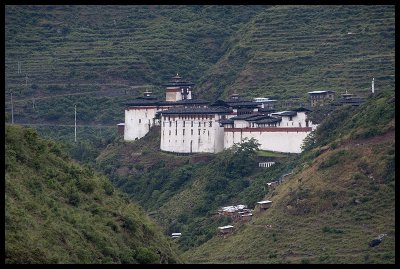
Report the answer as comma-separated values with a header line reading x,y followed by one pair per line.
x,y
240,213
237,213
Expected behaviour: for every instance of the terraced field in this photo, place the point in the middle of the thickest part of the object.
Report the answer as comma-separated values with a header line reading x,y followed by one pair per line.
x,y
289,50
130,45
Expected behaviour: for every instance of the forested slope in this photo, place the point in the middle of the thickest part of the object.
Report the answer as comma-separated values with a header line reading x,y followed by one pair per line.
x,y
57,211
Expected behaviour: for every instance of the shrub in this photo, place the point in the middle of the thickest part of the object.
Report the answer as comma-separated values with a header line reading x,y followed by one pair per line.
x,y
146,256
73,198
86,185
108,188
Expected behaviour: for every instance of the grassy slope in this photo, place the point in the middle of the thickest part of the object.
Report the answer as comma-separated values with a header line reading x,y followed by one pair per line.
x,y
290,50
340,197
181,192
57,211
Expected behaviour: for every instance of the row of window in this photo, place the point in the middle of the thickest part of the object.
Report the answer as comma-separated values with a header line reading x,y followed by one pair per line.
x,y
191,132
184,124
189,117
254,125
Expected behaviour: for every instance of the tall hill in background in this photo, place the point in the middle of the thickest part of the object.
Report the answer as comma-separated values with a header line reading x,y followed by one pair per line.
x,y
100,56
286,51
57,211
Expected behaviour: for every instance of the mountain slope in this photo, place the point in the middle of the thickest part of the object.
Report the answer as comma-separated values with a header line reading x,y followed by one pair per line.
x,y
183,193
339,198
57,211
287,51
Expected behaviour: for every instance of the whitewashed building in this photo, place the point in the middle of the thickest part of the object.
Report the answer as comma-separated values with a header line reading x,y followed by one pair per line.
x,y
280,131
193,126
192,129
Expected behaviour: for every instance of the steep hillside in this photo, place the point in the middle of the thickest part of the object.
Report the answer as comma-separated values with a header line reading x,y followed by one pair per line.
x,y
57,211
183,193
289,50
340,197
97,56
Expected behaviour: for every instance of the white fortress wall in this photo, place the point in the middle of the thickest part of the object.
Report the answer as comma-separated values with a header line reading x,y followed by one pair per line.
x,y
219,135
191,135
138,121
274,140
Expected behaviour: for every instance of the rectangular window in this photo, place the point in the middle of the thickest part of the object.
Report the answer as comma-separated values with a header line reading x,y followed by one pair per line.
x,y
170,123
176,131
191,123
183,132
191,132
210,123
199,124
169,132
204,124
184,123
199,131
140,120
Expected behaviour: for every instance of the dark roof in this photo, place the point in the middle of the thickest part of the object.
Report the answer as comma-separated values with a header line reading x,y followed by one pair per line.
x,y
259,117
177,81
196,110
266,110
353,102
245,116
236,103
268,120
301,109
243,104
220,103
143,101
191,101
226,121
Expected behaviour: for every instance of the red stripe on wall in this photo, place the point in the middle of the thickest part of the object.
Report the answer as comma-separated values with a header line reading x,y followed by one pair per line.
x,y
269,129
141,107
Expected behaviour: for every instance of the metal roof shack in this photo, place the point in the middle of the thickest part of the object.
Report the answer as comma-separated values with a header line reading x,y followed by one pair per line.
x,y
264,205
121,128
176,235
320,92
225,229
285,113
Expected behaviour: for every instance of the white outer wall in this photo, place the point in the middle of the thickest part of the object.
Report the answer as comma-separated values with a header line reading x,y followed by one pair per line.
x,y
211,139
273,141
134,129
